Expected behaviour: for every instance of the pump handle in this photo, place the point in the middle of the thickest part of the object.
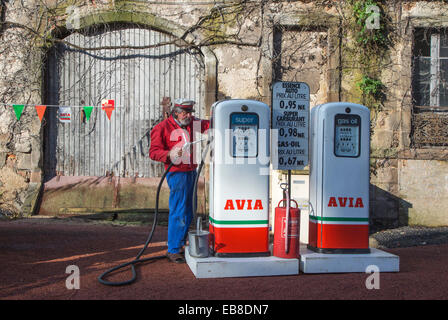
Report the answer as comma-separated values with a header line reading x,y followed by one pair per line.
x,y
290,200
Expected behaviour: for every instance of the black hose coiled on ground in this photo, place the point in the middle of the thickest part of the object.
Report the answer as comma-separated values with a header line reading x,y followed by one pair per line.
x,y
148,240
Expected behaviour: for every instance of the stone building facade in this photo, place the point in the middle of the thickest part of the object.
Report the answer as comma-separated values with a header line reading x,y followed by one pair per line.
x,y
388,55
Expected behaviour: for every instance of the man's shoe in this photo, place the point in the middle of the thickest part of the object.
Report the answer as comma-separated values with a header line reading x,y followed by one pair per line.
x,y
175,257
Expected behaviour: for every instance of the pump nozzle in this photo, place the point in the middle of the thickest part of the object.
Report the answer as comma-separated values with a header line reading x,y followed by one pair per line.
x,y
186,146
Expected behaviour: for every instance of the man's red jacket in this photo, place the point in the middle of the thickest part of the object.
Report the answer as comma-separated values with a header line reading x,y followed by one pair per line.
x,y
168,134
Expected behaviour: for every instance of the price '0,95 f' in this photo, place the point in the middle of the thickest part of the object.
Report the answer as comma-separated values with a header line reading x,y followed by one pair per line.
x,y
291,104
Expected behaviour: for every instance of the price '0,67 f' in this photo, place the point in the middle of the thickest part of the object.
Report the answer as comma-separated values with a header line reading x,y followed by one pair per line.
x,y
290,161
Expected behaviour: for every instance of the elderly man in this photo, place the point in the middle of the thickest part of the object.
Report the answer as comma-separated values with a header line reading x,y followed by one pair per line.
x,y
168,139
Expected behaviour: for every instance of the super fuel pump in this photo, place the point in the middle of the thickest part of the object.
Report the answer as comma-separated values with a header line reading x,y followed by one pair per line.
x,y
239,179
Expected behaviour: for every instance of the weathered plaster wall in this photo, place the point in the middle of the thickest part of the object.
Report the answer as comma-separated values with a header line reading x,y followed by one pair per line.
x,y
424,184
237,72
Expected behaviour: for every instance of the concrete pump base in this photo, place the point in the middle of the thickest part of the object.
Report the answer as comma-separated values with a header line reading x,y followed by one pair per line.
x,y
313,262
214,267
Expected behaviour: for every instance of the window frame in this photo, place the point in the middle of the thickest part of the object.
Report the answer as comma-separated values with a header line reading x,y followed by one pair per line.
x,y
435,67
428,118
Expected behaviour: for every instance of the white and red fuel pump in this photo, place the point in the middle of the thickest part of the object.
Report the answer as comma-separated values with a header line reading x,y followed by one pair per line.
x,y
339,178
239,178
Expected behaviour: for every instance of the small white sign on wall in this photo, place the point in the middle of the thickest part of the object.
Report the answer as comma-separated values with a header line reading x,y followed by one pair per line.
x,y
65,114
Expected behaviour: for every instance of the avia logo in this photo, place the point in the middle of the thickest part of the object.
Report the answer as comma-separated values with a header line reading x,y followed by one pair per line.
x,y
241,204
352,203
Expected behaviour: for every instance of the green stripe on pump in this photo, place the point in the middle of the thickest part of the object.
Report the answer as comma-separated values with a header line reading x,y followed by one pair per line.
x,y
338,219
236,222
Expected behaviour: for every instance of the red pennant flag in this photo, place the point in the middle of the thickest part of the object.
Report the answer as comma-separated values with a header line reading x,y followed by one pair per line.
x,y
41,111
108,106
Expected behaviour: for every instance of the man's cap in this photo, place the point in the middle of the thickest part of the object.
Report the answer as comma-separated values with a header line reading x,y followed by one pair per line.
x,y
184,104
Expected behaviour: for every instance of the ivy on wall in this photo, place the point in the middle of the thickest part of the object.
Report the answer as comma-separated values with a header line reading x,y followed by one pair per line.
x,y
371,29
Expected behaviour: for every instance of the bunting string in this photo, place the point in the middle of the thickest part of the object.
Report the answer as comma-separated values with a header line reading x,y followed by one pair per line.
x,y
58,105
65,111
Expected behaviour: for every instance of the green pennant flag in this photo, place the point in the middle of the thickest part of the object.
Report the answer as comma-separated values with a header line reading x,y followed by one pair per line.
x,y
18,109
88,111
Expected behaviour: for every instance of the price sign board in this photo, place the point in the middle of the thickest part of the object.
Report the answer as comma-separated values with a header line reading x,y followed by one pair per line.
x,y
290,116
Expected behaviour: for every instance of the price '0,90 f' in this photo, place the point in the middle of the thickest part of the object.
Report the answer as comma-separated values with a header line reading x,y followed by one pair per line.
x,y
290,105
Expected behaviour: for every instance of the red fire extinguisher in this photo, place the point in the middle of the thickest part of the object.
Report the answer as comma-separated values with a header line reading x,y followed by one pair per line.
x,y
286,230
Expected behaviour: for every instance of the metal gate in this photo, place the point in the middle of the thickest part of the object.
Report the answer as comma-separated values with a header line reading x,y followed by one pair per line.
x,y
135,67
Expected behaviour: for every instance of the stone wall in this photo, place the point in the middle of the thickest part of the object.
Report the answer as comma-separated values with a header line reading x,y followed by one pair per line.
x,y
20,141
407,183
409,180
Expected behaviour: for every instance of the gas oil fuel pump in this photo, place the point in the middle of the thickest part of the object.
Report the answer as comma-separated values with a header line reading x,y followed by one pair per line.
x,y
339,178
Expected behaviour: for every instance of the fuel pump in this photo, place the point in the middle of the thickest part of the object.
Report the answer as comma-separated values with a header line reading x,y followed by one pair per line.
x,y
239,179
339,178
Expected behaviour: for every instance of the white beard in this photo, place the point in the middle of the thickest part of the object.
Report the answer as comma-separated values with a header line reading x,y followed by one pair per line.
x,y
185,122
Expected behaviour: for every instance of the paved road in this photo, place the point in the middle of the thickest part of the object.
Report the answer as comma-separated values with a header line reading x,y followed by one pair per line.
x,y
34,255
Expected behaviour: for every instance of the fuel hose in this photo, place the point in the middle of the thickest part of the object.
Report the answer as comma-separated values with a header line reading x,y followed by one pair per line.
x,y
151,233
148,240
195,186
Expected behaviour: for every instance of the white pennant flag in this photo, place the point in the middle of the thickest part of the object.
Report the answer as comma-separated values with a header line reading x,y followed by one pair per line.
x,y
65,114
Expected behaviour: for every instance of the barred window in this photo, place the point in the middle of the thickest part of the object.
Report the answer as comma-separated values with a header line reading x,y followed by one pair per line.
x,y
431,62
430,87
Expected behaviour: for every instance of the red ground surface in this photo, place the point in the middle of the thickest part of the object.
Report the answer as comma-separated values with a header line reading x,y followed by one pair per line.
x,y
34,256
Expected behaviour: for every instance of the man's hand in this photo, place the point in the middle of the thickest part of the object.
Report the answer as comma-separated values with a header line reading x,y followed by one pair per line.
x,y
175,155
